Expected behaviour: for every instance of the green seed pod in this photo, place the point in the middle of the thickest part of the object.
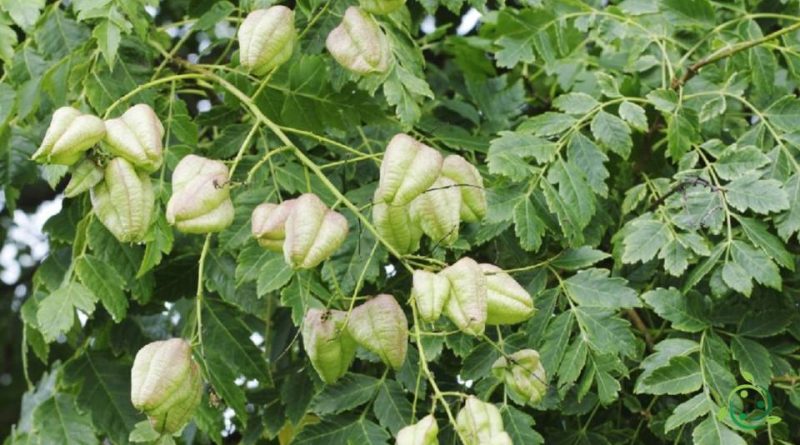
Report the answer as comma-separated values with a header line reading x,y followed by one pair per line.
x,y
423,432
266,39
408,169
268,223
136,137
70,134
313,232
330,348
507,301
381,7
523,375
166,384
124,202
480,423
85,175
394,224
470,182
437,211
200,201
466,305
359,45
430,292
380,326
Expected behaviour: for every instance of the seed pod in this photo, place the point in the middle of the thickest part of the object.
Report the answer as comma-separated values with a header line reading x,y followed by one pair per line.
x,y
313,232
524,375
437,211
166,384
470,184
394,224
480,423
200,201
408,168
423,432
330,348
430,292
268,223
381,7
380,326
136,137
358,43
466,305
85,175
124,202
266,39
70,134
507,301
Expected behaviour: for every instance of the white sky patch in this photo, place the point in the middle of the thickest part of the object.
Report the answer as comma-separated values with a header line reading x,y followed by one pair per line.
x,y
428,24
467,383
203,106
240,381
82,317
26,231
230,428
390,270
205,42
152,10
256,338
469,21
193,58
224,30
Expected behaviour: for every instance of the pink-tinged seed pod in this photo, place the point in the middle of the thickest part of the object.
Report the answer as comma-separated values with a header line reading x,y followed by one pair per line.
x,y
136,136
430,292
268,224
313,232
330,348
266,39
359,45
507,301
523,375
69,135
380,326
85,175
408,168
437,211
394,225
470,184
124,201
466,305
480,423
381,7
166,384
423,432
200,201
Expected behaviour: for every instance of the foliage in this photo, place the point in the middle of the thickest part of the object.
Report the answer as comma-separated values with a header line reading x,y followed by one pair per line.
x,y
640,160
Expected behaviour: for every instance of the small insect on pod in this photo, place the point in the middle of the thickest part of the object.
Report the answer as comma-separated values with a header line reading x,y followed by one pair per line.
x,y
329,347
124,201
136,136
381,327
266,39
200,201
69,135
359,45
523,375
166,384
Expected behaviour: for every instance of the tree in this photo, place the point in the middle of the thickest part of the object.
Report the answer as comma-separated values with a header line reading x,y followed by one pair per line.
x,y
341,222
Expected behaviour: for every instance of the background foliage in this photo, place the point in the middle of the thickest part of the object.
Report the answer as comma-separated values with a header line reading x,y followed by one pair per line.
x,y
640,160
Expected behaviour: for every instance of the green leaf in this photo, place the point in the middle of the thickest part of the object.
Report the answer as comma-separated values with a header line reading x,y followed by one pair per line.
x,y
753,358
342,430
593,287
713,432
682,131
687,313
556,338
769,243
574,259
687,412
519,425
699,13
391,407
644,237
509,153
712,108
274,274
548,124
756,264
57,421
613,133
759,195
56,312
575,103
527,225
25,13
737,278
789,223
105,282
144,432
634,115
735,162
663,100
681,376
350,391
604,331
590,160
108,36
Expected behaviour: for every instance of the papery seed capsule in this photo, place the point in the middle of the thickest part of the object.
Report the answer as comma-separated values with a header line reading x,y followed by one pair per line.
x,y
268,224
466,305
266,39
394,225
423,432
200,201
313,232
507,301
85,175
408,168
166,384
70,134
358,43
523,375
136,136
437,211
124,201
330,348
380,326
381,6
430,292
470,184
480,423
